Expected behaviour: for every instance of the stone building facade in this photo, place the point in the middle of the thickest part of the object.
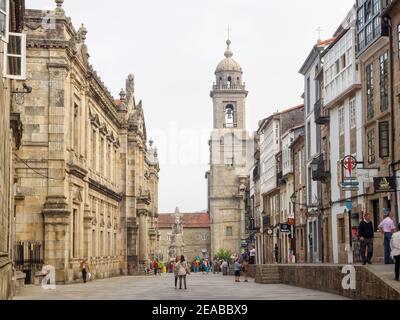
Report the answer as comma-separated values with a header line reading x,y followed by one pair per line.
x,y
392,16
373,54
11,91
87,176
196,235
299,181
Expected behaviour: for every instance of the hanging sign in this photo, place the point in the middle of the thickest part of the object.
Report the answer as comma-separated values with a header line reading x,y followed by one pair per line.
x,y
349,174
385,184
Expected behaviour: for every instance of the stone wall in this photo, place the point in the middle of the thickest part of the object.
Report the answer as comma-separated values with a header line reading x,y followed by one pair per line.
x,y
328,278
6,274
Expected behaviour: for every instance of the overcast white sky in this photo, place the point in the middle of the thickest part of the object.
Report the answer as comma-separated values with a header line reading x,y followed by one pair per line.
x,y
173,47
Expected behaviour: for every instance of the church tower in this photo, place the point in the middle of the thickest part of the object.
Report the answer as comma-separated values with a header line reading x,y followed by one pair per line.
x,y
227,177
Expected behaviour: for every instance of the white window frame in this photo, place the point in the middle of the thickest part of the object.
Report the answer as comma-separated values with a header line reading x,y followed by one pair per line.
x,y
22,56
353,117
7,13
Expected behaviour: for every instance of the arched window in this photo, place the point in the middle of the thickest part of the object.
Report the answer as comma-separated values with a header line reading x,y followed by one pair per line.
x,y
229,81
229,116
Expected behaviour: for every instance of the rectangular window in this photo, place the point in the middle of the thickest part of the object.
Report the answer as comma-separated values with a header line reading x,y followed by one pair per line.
x,y
343,61
15,57
353,113
384,139
309,186
398,41
94,153
4,20
341,120
308,96
76,129
370,92
309,140
229,231
337,67
368,10
74,233
384,81
341,231
371,146
377,6
369,32
360,18
101,151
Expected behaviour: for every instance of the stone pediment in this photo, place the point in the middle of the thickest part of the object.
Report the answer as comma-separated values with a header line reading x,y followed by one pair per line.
x,y
103,129
95,120
77,196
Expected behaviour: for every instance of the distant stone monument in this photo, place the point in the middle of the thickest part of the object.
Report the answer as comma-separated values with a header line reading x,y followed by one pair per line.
x,y
176,245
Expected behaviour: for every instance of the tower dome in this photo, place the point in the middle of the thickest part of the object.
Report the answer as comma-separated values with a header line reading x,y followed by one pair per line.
x,y
228,64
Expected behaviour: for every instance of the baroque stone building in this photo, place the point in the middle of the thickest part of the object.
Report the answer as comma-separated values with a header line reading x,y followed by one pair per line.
x,y
87,178
11,93
193,239
228,175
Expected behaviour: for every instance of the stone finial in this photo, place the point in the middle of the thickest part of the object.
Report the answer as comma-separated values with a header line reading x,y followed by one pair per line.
x,y
82,32
59,9
122,95
228,52
130,85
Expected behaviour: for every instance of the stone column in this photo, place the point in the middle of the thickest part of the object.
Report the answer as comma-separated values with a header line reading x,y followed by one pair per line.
x,y
142,236
56,210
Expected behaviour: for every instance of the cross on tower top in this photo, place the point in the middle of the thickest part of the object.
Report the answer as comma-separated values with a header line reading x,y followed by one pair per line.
x,y
319,30
229,32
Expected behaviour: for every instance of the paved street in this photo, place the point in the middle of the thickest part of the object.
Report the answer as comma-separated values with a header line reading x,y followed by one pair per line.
x,y
201,287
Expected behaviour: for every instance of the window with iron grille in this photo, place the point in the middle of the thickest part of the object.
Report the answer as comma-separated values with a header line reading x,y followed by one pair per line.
x,y
384,81
353,122
371,146
370,92
384,139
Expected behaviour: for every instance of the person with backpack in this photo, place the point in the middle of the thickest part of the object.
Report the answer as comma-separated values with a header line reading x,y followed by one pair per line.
x,y
183,271
155,266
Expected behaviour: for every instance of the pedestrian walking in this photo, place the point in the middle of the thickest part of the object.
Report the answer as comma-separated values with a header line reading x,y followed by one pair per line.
x,y
160,267
176,272
183,271
276,253
85,269
366,234
387,228
252,255
395,246
245,267
237,268
155,266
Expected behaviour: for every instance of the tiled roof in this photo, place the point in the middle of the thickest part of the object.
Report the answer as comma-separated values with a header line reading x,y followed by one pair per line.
x,y
189,220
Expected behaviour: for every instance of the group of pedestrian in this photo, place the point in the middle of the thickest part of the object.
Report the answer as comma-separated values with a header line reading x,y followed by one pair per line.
x,y
157,266
391,241
241,264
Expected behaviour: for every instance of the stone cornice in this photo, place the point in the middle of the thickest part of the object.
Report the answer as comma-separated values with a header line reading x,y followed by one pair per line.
x,y
94,185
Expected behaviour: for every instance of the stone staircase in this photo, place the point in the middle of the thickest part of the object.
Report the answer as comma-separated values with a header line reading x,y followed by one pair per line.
x,y
268,274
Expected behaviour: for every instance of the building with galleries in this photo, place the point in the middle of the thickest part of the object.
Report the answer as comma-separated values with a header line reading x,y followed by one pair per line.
x,y
229,167
274,189
195,233
342,98
11,92
373,54
317,162
87,176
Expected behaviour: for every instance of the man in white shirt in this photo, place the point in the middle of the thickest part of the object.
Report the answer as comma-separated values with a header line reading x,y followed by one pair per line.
x,y
387,228
253,255
395,246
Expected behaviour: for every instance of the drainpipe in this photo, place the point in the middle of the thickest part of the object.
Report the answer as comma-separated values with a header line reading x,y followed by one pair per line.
x,y
388,21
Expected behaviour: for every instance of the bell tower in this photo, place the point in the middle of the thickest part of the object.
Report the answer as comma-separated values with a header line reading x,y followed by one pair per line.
x,y
229,94
228,152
